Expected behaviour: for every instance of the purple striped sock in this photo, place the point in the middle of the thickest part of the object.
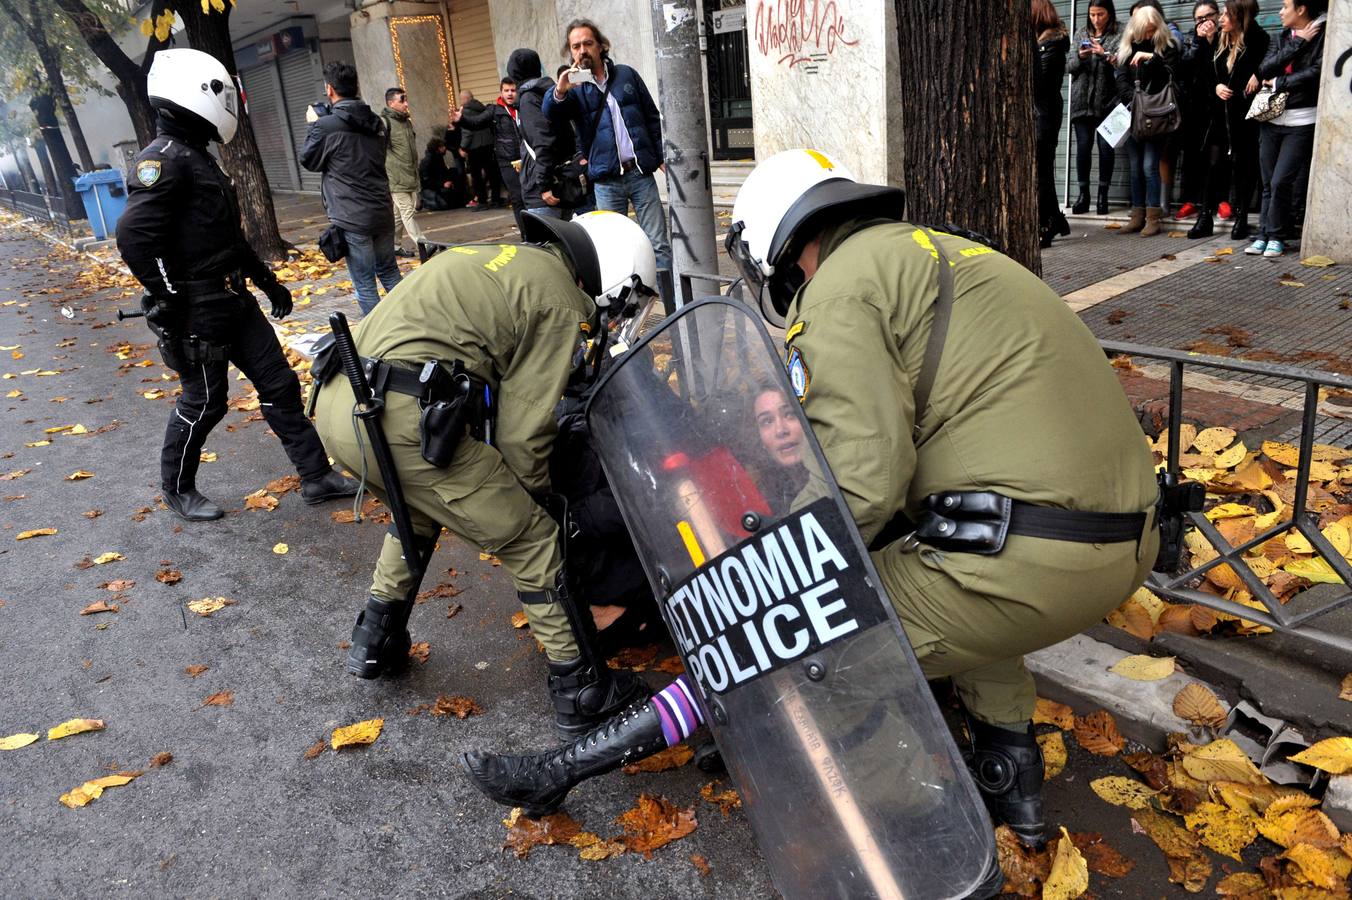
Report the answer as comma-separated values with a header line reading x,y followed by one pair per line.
x,y
678,711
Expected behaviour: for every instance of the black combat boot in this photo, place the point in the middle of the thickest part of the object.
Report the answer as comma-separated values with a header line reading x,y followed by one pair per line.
x,y
1203,227
585,695
1102,207
1007,766
539,783
1081,202
1240,231
380,640
329,486
192,506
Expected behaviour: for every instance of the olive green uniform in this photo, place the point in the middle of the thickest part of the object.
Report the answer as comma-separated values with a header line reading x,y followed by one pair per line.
x,y
1024,403
515,317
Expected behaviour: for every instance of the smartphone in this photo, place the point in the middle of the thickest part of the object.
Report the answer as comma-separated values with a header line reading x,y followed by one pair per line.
x,y
581,76
1086,44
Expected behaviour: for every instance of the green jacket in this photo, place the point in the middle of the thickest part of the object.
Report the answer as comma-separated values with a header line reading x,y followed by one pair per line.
x,y
401,151
1024,401
514,315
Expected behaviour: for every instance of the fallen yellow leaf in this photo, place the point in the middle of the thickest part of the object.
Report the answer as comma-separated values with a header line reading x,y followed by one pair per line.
x,y
1324,868
1049,712
1333,755
1069,877
1054,755
1144,668
105,558
80,475
1213,440
36,532
74,726
1317,262
208,605
58,429
1316,570
91,790
1230,511
358,734
1198,705
281,549
1232,457
1222,760
1120,790
15,741
1221,828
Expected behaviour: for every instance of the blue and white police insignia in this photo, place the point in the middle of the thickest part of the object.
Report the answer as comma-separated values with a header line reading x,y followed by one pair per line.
x,y
799,377
148,171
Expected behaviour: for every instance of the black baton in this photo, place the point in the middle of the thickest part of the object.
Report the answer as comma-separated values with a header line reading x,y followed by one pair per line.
x,y
368,409
130,314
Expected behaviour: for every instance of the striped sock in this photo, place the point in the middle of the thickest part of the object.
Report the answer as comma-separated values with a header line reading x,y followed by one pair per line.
x,y
678,710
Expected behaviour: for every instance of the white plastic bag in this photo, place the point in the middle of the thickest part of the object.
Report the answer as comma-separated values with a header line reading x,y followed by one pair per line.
x,y
1116,127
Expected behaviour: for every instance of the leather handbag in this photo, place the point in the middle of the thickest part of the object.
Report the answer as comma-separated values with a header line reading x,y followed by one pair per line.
x,y
1155,115
333,244
1267,105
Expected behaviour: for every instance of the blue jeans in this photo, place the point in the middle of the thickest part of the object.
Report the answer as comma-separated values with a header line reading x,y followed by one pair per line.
x,y
551,212
368,256
1143,164
615,194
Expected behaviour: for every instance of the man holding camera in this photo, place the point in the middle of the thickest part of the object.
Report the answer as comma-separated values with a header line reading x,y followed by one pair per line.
x,y
346,142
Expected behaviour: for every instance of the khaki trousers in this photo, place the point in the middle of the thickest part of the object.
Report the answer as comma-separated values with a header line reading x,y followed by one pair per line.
x,y
405,204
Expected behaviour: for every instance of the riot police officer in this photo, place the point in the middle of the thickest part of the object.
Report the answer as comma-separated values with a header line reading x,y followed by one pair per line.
x,y
985,449
180,236
506,322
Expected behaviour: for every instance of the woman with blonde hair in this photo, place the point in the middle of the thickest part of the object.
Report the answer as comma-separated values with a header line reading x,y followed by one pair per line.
x,y
1148,54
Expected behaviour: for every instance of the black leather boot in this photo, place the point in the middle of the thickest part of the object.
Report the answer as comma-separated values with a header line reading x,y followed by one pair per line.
x,y
329,486
1240,231
380,639
586,695
1102,208
192,506
539,783
1203,227
1081,202
1007,766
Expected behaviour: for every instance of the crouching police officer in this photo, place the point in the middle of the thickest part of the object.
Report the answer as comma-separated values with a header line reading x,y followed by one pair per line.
x,y
987,453
496,329
180,236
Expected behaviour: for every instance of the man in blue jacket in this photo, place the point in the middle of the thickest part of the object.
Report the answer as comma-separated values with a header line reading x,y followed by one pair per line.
x,y
622,141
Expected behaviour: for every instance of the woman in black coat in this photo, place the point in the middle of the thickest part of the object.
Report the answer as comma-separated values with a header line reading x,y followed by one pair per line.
x,y
1052,45
1230,139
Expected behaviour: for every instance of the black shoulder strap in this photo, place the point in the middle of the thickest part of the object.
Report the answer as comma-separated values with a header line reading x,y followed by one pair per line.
x,y
934,347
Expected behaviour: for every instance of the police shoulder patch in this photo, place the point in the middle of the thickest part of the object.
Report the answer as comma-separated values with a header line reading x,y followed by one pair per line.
x,y
148,171
799,377
795,329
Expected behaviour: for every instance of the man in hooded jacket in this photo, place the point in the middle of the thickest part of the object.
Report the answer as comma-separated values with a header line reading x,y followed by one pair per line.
x,y
545,146
346,142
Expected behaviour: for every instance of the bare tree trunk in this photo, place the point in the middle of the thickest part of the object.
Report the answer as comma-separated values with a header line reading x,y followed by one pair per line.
x,y
20,154
967,119
131,78
62,176
210,33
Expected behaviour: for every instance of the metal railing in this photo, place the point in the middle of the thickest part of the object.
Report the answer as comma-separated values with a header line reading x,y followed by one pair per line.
x,y
1178,586
42,206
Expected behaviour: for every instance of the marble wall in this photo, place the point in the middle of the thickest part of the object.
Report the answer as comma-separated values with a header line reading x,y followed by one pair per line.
x,y
539,24
1329,203
419,51
824,75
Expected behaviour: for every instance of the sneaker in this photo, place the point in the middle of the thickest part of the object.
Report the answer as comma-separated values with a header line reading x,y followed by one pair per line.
x,y
1187,211
405,254
1225,210
473,204
1256,248
1274,249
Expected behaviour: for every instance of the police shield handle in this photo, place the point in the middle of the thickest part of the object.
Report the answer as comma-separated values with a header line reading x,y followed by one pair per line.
x,y
700,535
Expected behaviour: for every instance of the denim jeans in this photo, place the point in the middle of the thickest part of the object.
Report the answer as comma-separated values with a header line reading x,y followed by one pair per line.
x,y
552,212
640,188
369,256
1143,164
1284,156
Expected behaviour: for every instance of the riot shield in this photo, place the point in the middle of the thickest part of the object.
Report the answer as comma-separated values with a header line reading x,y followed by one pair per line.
x,y
846,769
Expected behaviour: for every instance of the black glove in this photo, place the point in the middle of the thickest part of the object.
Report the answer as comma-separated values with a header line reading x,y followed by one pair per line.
x,y
163,314
281,299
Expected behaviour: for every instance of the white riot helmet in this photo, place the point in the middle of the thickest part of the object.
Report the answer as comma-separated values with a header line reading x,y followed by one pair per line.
x,y
779,207
611,255
196,83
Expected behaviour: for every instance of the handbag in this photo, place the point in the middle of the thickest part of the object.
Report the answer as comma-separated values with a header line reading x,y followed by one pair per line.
x,y
570,187
1155,115
332,243
1267,105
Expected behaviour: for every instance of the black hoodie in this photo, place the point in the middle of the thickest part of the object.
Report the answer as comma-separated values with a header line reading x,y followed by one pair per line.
x,y
553,146
348,147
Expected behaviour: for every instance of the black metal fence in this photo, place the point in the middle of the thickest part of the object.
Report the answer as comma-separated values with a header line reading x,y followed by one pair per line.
x,y
41,206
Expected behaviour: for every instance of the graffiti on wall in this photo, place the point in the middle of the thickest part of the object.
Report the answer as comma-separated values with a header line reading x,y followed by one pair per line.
x,y
1338,68
801,32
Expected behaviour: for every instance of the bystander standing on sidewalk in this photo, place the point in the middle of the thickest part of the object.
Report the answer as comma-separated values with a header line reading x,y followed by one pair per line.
x,y
401,165
501,118
1052,45
1093,91
476,149
1197,87
546,148
346,143
1291,69
1148,54
620,130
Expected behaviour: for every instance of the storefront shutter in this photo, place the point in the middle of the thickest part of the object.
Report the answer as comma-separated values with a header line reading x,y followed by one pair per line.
x,y
264,92
474,66
302,85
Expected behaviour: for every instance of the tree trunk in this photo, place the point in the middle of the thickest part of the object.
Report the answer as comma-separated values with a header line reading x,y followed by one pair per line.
x,y
967,119
210,33
63,169
51,65
131,78
20,153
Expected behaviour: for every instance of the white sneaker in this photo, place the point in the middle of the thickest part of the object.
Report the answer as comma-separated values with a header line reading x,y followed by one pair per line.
x,y
1256,248
1274,249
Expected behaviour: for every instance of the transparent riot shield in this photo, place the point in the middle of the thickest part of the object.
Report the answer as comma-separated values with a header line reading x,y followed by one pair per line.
x,y
845,767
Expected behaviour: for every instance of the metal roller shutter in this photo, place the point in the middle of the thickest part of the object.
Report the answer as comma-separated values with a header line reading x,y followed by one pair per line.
x,y
474,65
264,92
302,84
